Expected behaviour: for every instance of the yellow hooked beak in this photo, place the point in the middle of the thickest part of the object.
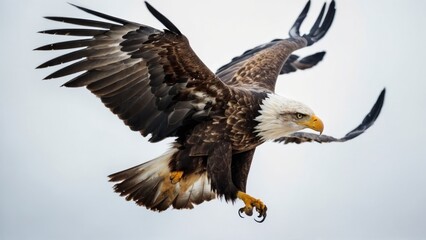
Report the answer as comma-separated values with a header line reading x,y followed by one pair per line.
x,y
314,123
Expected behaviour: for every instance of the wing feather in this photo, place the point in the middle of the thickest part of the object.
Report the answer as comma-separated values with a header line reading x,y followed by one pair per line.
x,y
74,32
151,79
83,22
74,44
261,65
292,64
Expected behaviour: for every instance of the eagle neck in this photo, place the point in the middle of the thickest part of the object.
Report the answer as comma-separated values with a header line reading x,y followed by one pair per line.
x,y
269,125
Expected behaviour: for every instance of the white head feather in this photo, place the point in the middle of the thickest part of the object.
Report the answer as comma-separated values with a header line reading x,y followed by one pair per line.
x,y
271,123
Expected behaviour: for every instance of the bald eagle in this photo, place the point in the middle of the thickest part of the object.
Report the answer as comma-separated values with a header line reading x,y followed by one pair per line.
x,y
155,83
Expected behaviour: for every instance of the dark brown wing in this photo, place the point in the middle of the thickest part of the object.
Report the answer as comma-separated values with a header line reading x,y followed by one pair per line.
x,y
151,79
301,137
293,63
260,67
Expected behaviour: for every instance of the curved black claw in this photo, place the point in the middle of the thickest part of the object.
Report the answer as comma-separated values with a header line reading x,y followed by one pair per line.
x,y
320,27
241,210
262,215
247,210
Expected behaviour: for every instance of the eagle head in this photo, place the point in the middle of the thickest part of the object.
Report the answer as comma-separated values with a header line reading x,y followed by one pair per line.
x,y
280,117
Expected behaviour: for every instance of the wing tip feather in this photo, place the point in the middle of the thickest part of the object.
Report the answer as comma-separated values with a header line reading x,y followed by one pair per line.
x,y
165,21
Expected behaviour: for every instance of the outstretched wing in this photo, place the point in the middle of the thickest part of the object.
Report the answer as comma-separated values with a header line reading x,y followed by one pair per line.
x,y
301,137
260,66
293,63
151,79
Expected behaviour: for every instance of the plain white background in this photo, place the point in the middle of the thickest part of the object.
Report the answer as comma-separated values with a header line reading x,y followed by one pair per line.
x,y
58,144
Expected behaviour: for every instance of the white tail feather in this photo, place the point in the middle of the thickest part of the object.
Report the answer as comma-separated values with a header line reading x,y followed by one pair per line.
x,y
149,184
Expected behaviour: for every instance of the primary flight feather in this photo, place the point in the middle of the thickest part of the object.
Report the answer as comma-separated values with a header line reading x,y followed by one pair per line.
x,y
158,86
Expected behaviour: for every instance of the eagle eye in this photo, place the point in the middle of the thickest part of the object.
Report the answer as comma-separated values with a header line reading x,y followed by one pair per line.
x,y
300,115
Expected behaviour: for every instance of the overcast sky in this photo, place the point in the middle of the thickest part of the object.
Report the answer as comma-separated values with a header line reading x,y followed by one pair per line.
x,y
58,145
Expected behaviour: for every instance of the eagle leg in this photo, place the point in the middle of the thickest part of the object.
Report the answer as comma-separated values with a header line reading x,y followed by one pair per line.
x,y
250,203
176,176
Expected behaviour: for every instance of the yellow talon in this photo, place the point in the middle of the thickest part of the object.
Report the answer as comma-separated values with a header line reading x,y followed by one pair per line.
x,y
250,203
176,176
